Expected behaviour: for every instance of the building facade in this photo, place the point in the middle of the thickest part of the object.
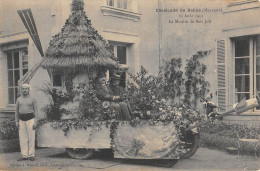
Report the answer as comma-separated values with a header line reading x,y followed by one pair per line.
x,y
140,35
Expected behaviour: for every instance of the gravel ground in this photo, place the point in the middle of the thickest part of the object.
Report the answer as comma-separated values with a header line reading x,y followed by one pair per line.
x,y
57,159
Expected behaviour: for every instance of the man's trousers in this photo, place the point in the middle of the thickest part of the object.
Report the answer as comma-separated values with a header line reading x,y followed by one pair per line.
x,y
27,138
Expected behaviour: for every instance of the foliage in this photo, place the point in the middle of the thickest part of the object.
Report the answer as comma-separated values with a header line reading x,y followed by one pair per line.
x,y
76,123
195,84
192,84
8,129
148,92
148,97
222,136
173,77
57,98
84,96
90,106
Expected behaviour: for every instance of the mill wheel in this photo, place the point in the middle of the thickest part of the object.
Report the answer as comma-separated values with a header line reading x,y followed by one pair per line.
x,y
80,153
191,144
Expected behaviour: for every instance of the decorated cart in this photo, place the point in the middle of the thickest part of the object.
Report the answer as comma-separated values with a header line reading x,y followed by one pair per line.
x,y
76,120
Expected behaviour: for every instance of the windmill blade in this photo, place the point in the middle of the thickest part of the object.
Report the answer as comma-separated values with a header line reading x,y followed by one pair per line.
x,y
27,77
241,103
28,21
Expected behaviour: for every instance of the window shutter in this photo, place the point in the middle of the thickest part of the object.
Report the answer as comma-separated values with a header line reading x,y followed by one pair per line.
x,y
221,75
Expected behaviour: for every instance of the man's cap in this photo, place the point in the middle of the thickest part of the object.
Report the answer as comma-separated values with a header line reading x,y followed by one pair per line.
x,y
26,86
116,75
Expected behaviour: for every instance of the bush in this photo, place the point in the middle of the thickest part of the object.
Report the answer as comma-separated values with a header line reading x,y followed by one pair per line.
x,y
8,129
222,136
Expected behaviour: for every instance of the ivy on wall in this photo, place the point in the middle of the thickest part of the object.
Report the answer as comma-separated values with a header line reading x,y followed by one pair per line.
x,y
190,84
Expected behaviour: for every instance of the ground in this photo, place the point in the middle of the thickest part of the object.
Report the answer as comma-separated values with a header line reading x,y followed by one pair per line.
x,y
53,158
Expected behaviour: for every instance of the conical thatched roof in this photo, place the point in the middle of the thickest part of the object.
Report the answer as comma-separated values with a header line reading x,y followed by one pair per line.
x,y
78,44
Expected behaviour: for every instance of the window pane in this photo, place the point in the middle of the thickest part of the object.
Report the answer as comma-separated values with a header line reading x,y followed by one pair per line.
x,y
11,95
119,4
258,65
16,60
124,4
110,3
121,54
9,61
15,94
57,81
242,83
241,48
258,83
25,58
242,66
258,45
16,77
25,71
10,78
240,96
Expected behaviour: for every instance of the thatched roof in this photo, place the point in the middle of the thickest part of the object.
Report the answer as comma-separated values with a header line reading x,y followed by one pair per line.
x,y
78,44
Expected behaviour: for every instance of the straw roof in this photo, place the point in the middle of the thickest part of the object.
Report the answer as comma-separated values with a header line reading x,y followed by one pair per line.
x,y
78,44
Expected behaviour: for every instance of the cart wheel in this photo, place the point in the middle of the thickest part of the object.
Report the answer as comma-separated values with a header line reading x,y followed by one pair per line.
x,y
165,162
80,153
192,143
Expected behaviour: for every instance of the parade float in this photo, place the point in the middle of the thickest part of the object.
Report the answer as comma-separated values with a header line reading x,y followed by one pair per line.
x,y
76,120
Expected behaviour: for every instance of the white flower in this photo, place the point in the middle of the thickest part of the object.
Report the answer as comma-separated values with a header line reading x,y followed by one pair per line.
x,y
148,113
160,109
105,104
163,100
153,97
179,113
149,91
157,101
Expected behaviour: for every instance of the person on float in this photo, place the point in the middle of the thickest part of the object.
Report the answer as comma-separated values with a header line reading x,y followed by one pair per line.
x,y
118,90
104,93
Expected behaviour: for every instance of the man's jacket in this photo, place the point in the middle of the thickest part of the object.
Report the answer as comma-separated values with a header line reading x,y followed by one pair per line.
x,y
104,93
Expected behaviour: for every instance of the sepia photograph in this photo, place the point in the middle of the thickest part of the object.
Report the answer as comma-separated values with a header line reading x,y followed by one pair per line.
x,y
122,85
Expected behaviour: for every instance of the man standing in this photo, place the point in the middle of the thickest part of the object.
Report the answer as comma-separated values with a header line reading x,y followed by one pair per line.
x,y
25,118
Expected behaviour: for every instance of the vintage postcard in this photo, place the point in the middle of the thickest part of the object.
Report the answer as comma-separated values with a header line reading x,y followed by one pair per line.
x,y
129,85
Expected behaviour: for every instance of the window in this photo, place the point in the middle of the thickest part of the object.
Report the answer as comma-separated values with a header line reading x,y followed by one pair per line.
x,y
57,80
123,4
17,66
247,67
242,74
124,9
120,51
